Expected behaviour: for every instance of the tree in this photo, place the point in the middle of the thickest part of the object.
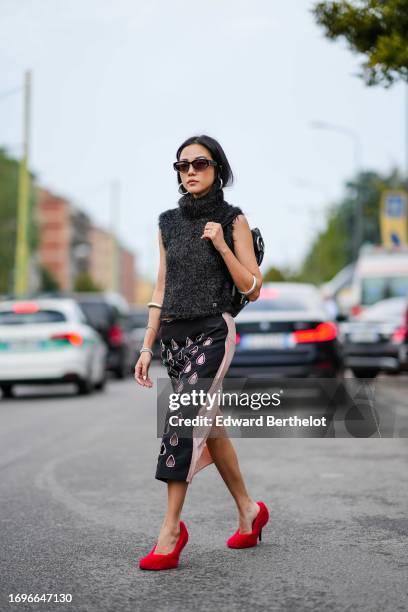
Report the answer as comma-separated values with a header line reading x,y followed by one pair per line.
x,y
273,275
377,29
84,282
48,282
333,247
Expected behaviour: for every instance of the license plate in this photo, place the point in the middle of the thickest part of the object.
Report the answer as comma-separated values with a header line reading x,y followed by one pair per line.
x,y
364,337
260,341
23,345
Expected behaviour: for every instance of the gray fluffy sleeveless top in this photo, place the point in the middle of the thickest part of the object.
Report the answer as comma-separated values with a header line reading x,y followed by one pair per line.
x,y
198,282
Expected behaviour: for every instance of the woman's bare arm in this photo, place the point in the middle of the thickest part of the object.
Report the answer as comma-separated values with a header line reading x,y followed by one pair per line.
x,y
157,296
243,264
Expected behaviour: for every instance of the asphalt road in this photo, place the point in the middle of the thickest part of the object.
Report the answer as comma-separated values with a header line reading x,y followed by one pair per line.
x,y
80,505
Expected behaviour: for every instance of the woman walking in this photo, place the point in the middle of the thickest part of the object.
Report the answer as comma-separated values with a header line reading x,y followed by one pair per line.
x,y
205,248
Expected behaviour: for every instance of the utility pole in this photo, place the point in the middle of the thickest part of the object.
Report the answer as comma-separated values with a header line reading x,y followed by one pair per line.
x,y
22,251
406,134
114,226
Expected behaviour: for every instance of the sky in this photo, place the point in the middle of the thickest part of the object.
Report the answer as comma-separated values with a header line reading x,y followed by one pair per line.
x,y
118,85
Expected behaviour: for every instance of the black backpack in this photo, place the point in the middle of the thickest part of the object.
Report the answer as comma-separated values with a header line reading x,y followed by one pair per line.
x,y
239,300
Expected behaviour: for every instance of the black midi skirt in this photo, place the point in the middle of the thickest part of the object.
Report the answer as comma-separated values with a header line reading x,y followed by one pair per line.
x,y
197,354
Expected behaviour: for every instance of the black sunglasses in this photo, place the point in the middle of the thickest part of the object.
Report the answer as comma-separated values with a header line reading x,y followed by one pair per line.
x,y
199,164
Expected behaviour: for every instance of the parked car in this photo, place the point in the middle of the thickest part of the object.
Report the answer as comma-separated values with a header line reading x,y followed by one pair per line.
x,y
376,340
136,324
49,341
336,293
107,313
286,332
380,273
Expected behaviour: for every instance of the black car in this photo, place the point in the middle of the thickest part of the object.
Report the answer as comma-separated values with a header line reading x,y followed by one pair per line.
x,y
107,313
376,340
136,325
286,332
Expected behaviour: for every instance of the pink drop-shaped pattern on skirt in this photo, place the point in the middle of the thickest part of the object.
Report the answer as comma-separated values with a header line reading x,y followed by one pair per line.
x,y
187,367
193,378
200,359
170,461
207,342
179,387
199,337
174,439
174,345
193,350
188,341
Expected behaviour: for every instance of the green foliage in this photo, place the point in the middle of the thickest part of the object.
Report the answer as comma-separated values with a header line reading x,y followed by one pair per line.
x,y
84,282
274,275
333,248
329,252
377,29
48,282
9,170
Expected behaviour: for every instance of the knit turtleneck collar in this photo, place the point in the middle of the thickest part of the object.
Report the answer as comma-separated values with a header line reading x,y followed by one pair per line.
x,y
194,208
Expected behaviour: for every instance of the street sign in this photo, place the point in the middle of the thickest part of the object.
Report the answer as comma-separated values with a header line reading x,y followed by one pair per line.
x,y
393,218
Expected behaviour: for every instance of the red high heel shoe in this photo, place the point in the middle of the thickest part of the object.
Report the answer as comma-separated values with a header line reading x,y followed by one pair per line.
x,y
161,561
247,540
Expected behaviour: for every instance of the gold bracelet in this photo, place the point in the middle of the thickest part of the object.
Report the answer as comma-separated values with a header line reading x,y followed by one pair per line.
x,y
154,304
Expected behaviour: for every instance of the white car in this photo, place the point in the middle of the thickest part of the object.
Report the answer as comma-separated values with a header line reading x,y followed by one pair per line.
x,y
379,274
48,340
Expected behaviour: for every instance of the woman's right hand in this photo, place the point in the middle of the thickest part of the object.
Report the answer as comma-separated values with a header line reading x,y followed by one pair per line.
x,y
142,369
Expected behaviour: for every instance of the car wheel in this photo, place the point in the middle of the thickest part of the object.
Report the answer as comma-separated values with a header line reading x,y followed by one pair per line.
x,y
84,386
101,384
341,396
365,372
120,372
7,391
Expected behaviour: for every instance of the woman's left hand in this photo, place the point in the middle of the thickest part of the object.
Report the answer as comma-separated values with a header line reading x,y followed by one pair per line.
x,y
213,231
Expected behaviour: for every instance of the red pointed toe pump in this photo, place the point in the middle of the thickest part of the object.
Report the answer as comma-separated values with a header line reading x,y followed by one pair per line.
x,y
247,540
160,561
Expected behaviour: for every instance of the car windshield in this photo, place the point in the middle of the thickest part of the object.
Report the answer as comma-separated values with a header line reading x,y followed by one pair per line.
x,y
97,313
137,319
9,317
380,288
284,301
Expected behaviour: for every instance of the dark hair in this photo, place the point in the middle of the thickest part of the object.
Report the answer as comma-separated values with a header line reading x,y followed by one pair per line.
x,y
217,153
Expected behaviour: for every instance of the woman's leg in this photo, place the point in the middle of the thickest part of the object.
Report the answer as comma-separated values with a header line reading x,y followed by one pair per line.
x,y
226,462
170,529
